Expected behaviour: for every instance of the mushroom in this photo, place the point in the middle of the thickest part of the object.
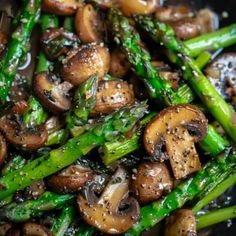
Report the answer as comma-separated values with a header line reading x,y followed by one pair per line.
x,y
85,61
13,232
70,179
52,93
3,42
151,181
21,136
173,13
34,229
61,7
139,7
113,212
53,124
112,95
181,223
20,107
172,134
186,28
221,73
88,24
57,42
4,228
34,190
119,65
3,150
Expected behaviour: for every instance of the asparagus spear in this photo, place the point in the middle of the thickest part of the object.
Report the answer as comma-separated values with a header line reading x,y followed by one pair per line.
x,y
84,100
18,212
156,211
35,114
212,41
203,59
69,24
57,137
179,54
110,128
62,223
215,217
129,40
18,45
217,191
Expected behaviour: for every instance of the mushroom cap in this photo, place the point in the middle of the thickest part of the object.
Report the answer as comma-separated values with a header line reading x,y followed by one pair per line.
x,y
85,61
34,229
186,115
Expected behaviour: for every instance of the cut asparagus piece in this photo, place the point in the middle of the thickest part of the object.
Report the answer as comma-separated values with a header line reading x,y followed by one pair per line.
x,y
18,45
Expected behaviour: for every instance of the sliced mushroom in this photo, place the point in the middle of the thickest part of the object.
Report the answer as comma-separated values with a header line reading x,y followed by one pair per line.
x,y
53,124
57,42
139,7
4,228
111,96
61,7
23,137
88,24
114,212
13,232
3,150
119,65
221,73
181,223
34,190
151,181
176,128
173,13
186,28
52,93
20,107
107,3
3,42
207,20
85,61
34,229
70,179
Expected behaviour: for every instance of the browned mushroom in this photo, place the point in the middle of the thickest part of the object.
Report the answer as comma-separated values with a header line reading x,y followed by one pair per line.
x,y
181,223
139,7
34,229
119,65
88,24
151,181
57,42
111,96
20,107
176,128
108,3
13,232
85,61
53,124
70,179
52,93
34,190
4,228
186,28
173,13
61,7
3,149
3,42
221,73
23,137
207,21
113,212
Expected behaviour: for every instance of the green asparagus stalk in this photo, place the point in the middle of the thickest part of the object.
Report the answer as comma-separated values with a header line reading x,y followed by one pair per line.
x,y
203,59
69,23
216,192
212,41
126,37
112,151
57,137
110,128
35,114
19,212
18,46
84,100
156,211
62,223
85,230
215,217
179,54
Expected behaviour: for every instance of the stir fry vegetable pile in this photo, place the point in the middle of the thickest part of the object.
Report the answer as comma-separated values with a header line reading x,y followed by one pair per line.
x,y
127,120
